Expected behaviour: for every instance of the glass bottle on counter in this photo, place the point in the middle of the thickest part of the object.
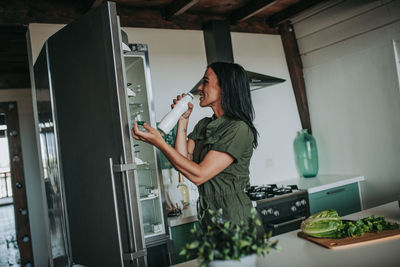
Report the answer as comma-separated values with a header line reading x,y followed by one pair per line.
x,y
184,190
306,154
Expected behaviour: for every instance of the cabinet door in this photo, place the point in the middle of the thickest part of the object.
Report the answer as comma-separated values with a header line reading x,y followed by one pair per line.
x,y
180,237
344,199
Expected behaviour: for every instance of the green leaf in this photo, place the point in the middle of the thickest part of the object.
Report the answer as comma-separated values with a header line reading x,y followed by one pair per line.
x,y
227,225
211,255
183,252
244,243
194,244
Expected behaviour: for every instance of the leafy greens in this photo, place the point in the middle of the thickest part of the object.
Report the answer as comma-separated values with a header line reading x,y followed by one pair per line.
x,y
328,224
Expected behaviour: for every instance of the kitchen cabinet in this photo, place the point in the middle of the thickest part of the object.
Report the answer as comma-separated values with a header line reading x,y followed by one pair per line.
x,y
181,235
339,192
344,199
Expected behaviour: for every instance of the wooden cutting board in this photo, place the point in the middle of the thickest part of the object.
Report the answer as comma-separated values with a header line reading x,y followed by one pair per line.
x,y
332,243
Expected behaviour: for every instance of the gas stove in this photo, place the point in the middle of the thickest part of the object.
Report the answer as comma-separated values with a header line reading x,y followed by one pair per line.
x,y
281,208
269,191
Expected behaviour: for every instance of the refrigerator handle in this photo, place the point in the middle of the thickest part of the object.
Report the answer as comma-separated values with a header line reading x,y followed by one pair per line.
x,y
116,211
123,168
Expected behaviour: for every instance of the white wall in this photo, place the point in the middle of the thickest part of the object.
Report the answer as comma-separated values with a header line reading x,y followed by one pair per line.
x,y
353,91
33,182
277,118
178,61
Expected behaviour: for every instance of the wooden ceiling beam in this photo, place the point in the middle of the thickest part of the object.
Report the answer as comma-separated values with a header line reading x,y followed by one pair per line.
x,y
178,7
251,9
41,11
89,4
25,12
152,18
130,17
291,11
15,80
295,67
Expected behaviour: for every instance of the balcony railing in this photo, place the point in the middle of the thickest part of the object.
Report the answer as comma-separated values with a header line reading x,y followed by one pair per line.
x,y
5,185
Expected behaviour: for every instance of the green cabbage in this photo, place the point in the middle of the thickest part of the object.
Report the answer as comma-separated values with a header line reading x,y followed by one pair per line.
x,y
322,224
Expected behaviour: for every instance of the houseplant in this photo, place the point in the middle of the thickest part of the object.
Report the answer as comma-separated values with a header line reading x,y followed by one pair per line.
x,y
227,244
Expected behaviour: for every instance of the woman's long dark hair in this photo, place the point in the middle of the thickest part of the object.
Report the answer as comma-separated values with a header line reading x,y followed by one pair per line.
x,y
235,91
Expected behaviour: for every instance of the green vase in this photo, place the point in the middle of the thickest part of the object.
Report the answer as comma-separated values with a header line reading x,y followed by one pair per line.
x,y
306,154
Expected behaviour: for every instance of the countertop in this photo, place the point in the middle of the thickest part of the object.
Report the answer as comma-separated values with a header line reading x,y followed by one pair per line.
x,y
188,215
299,252
323,182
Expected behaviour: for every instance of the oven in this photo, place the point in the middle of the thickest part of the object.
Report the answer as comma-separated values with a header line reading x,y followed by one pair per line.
x,y
281,209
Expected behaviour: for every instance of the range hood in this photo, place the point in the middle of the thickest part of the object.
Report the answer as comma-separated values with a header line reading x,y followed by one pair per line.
x,y
218,44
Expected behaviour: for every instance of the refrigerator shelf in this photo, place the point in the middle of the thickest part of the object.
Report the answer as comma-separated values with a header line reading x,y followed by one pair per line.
x,y
149,198
151,234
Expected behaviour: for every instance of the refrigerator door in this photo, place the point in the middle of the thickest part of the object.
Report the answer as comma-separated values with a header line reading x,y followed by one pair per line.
x,y
95,157
147,158
44,116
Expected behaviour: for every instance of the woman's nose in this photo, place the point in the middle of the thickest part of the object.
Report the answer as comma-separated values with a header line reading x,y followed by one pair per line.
x,y
200,87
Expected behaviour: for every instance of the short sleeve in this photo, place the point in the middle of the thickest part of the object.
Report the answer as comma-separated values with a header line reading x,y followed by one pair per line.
x,y
196,133
236,140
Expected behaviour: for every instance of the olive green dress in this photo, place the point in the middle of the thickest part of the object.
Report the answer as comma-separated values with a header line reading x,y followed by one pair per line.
x,y
226,189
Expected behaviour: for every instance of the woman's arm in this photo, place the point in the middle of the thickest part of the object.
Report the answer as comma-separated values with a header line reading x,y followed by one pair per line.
x,y
181,142
213,163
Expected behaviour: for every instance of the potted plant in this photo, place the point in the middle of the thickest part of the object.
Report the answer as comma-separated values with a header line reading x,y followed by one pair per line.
x,y
227,244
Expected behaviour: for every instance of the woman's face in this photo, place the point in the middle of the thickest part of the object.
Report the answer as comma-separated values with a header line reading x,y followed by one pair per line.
x,y
210,91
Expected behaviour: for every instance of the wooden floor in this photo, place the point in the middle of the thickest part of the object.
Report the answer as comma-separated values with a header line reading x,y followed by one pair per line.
x,y
9,253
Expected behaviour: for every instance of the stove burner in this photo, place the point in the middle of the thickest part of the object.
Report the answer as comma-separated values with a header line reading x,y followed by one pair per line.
x,y
269,191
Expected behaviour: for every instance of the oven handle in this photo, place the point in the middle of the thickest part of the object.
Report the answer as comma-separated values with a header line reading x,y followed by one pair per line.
x,y
286,223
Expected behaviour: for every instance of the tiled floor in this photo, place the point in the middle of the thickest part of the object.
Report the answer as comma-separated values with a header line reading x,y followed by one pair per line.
x,y
9,253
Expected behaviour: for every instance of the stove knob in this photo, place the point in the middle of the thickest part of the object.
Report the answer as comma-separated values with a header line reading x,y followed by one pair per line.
x,y
269,211
293,208
298,203
276,213
303,202
264,212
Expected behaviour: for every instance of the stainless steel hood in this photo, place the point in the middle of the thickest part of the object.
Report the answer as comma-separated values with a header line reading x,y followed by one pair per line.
x,y
218,44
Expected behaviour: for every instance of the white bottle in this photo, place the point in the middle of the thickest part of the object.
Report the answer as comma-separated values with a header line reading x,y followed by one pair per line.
x,y
169,121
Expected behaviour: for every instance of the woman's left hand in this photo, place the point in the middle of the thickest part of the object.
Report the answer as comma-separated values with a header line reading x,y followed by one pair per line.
x,y
152,136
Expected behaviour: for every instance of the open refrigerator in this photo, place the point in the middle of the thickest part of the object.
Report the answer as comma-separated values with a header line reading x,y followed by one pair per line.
x,y
104,192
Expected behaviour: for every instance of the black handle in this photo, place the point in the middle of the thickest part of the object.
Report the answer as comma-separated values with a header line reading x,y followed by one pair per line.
x,y
336,191
287,222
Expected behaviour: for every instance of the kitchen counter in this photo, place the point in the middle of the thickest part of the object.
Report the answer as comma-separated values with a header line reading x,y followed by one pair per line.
x,y
188,215
323,182
299,252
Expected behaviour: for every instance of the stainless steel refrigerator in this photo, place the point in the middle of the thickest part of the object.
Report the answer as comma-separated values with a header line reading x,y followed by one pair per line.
x,y
105,201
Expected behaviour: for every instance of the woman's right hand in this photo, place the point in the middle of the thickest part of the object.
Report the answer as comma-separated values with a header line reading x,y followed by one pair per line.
x,y
187,113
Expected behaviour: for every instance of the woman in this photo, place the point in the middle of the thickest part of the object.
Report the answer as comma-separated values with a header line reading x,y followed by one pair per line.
x,y
216,155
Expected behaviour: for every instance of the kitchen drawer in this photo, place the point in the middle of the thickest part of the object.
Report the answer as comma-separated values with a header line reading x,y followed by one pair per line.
x,y
180,237
344,199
